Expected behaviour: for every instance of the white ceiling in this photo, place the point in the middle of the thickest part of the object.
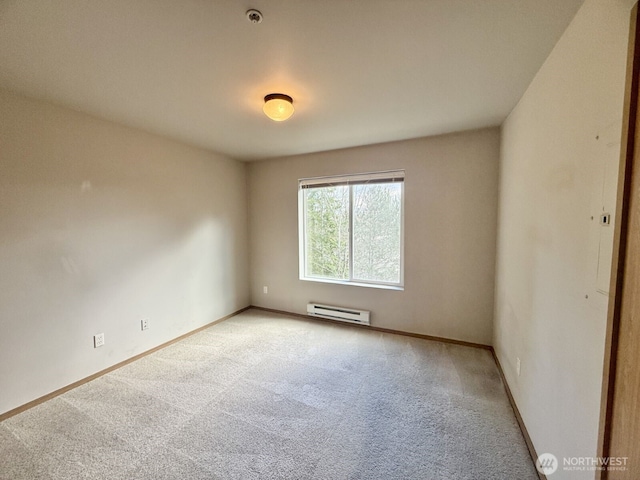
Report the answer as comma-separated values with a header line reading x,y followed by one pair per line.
x,y
360,71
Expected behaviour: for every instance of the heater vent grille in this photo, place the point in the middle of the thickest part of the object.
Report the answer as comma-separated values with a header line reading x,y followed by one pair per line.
x,y
342,314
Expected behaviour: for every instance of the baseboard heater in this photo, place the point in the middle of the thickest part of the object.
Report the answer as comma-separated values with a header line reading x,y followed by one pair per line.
x,y
342,314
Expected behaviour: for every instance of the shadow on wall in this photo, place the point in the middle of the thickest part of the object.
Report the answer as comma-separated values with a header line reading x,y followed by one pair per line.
x,y
102,226
102,272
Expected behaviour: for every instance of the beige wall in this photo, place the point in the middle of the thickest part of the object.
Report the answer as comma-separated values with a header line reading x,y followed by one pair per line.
x,y
548,310
100,226
450,230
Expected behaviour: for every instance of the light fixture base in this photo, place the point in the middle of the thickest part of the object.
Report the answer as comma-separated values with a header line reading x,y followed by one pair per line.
x,y
278,96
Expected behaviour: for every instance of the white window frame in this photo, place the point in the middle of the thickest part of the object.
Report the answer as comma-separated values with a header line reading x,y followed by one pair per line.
x,y
355,179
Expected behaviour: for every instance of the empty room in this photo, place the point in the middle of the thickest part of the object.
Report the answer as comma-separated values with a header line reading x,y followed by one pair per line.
x,y
364,239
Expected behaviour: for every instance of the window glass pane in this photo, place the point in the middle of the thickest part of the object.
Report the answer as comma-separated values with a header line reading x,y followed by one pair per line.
x,y
377,227
327,232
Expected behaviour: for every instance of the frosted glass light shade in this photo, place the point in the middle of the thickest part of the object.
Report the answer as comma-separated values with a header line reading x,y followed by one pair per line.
x,y
278,106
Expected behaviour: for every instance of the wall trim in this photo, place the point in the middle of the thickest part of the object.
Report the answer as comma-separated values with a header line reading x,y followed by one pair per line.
x,y
514,406
378,329
71,386
613,353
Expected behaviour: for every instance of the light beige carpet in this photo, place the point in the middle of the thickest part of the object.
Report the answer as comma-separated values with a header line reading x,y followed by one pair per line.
x,y
264,396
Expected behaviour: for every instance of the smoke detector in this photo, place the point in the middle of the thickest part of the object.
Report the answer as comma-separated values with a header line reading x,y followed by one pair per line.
x,y
254,16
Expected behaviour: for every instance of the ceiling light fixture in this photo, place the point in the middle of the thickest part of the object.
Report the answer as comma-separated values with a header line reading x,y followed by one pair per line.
x,y
278,106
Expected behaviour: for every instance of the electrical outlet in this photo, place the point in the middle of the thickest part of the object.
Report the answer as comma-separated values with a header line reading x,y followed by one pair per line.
x,y
144,324
518,365
98,340
265,289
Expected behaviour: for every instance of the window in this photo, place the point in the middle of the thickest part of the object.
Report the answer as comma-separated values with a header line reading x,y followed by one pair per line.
x,y
351,229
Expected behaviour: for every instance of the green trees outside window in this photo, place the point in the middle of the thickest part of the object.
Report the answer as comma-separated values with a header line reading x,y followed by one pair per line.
x,y
353,232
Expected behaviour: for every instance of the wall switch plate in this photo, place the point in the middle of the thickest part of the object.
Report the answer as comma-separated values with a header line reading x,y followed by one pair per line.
x,y
98,340
518,365
144,323
265,289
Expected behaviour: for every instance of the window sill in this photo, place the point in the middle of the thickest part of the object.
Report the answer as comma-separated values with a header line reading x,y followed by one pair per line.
x,y
354,284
